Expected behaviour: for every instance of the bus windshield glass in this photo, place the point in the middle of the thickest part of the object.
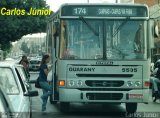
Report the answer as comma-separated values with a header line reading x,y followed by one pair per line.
x,y
103,39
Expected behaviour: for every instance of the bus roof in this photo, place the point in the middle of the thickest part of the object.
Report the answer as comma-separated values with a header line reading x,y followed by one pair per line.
x,y
102,10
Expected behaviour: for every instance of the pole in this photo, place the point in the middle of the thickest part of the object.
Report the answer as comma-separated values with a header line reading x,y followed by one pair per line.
x,y
88,1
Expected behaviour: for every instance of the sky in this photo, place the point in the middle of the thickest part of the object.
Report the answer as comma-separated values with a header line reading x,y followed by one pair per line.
x,y
55,4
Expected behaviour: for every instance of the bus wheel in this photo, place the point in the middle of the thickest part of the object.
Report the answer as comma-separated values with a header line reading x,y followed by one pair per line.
x,y
131,107
64,106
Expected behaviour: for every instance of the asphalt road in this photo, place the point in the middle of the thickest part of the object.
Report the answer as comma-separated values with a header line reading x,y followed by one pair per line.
x,y
78,110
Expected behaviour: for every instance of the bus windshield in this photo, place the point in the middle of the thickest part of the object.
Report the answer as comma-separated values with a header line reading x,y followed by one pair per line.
x,y
102,39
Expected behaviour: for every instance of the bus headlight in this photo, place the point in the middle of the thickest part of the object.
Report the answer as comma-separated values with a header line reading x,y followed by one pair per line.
x,y
71,83
129,83
79,83
137,83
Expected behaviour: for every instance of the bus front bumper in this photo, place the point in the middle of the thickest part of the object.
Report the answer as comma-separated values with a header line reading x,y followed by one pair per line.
x,y
76,95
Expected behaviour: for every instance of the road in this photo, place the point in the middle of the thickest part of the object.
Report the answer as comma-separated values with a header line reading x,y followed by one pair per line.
x,y
79,110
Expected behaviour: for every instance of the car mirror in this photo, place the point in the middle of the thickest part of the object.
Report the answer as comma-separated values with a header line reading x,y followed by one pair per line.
x,y
31,93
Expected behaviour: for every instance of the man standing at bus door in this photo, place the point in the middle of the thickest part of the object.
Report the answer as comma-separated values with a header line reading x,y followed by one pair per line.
x,y
24,61
156,83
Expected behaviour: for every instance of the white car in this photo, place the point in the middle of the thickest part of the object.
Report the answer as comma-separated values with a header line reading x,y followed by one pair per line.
x,y
6,109
34,64
12,80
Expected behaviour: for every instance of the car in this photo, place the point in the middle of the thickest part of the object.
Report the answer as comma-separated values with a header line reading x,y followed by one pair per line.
x,y
34,64
14,83
6,109
9,59
39,57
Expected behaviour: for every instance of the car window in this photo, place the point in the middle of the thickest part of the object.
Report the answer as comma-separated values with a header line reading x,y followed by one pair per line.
x,y
21,80
7,81
21,72
26,74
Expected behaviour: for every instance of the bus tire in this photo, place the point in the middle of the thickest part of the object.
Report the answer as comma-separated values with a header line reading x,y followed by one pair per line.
x,y
64,106
131,107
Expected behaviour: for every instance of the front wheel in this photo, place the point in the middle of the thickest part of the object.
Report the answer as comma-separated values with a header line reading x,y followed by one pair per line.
x,y
64,106
131,107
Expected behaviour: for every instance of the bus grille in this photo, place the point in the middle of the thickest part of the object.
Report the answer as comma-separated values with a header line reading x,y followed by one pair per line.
x,y
104,96
104,83
104,89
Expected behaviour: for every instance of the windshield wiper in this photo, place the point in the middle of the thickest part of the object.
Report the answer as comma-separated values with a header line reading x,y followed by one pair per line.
x,y
120,27
89,26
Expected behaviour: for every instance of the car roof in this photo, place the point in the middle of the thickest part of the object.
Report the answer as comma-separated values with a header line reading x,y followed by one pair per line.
x,y
35,59
8,64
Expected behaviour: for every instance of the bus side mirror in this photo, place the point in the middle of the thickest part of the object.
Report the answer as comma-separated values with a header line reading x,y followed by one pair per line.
x,y
156,31
56,28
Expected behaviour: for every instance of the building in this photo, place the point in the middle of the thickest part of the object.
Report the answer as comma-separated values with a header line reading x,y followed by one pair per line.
x,y
150,3
35,43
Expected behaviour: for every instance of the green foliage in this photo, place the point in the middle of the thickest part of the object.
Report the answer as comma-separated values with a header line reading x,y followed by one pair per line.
x,y
13,27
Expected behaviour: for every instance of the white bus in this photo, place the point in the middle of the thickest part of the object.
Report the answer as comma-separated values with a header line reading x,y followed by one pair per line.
x,y
100,54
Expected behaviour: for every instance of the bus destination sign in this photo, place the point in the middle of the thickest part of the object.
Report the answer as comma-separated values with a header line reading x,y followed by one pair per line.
x,y
104,11
115,11
108,11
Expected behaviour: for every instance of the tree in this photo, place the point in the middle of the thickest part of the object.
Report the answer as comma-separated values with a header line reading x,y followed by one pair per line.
x,y
13,27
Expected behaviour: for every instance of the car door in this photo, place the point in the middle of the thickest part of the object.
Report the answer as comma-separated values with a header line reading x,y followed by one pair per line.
x,y
9,82
25,99
5,106
25,79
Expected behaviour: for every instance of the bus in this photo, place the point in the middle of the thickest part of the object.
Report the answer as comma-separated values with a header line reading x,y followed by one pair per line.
x,y
101,53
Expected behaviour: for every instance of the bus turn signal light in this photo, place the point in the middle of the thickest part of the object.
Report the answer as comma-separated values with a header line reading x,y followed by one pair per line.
x,y
61,83
146,84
